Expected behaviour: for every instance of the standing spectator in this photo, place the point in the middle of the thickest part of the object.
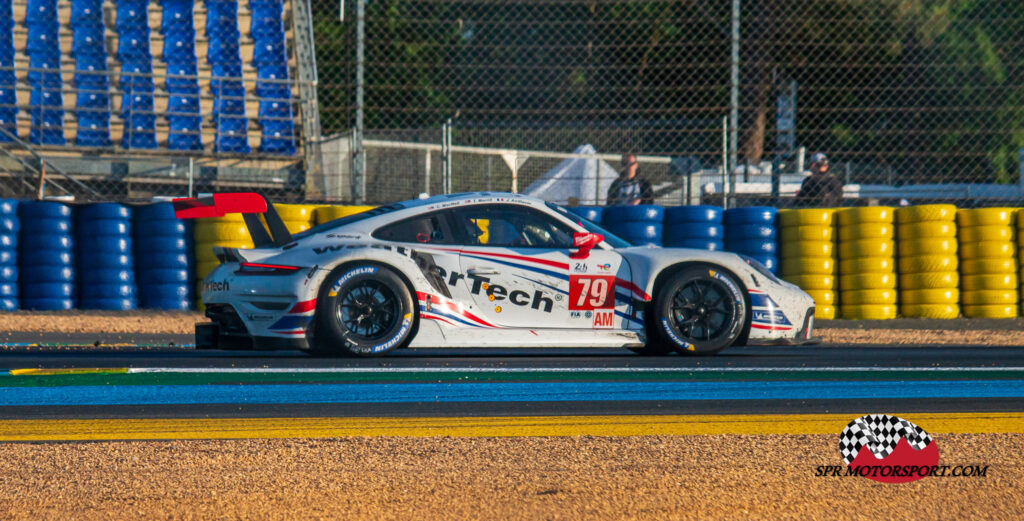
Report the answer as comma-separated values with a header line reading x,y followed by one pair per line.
x,y
630,188
820,189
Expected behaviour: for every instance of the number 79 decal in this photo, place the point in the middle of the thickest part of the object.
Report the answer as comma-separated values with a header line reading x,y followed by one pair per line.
x,y
591,292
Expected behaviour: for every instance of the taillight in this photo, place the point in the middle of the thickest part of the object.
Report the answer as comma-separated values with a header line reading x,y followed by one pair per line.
x,y
256,268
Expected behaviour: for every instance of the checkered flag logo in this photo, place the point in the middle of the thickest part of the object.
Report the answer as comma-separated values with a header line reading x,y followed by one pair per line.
x,y
879,433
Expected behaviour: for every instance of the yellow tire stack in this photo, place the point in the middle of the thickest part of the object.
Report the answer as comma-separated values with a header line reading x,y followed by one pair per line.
x,y
329,213
867,263
988,262
228,231
807,255
297,217
928,262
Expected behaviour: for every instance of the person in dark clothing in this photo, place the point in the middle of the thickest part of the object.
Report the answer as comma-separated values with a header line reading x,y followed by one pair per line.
x,y
820,189
630,189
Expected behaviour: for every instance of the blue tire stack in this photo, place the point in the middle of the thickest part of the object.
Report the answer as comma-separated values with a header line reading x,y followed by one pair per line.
x,y
590,213
106,267
751,231
164,267
46,269
9,227
640,224
697,227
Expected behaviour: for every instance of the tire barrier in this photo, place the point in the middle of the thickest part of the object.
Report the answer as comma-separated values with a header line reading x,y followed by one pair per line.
x,y
640,224
105,258
751,231
297,217
228,231
163,258
988,262
928,261
806,249
697,227
590,213
46,254
866,240
324,214
9,227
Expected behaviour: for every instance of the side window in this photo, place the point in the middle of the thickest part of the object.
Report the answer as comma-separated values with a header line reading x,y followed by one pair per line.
x,y
512,227
424,229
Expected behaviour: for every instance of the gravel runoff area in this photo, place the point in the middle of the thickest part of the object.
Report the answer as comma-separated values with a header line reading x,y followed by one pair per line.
x,y
1009,332
572,478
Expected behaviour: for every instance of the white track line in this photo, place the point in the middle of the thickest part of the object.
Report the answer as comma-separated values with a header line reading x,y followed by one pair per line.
x,y
557,369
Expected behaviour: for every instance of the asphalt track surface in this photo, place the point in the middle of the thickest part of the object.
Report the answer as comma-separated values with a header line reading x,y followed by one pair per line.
x,y
161,381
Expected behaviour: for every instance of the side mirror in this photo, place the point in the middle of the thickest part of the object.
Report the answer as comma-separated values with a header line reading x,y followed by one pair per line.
x,y
584,242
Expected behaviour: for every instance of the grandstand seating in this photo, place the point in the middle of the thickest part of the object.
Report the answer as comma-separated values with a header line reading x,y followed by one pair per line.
x,y
128,73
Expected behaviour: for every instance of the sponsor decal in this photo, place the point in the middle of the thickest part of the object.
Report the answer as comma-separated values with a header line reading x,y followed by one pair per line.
x,y
259,318
579,267
591,291
344,278
406,323
604,319
575,314
604,267
216,285
890,449
478,284
324,249
672,334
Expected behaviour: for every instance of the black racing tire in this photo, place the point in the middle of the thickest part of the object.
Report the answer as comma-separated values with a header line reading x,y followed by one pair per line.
x,y
363,309
699,310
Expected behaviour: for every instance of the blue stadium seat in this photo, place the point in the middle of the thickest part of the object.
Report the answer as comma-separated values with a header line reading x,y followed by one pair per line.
x,y
220,16
270,50
180,46
133,43
42,38
137,75
137,103
278,137
184,133
140,131
232,134
230,101
224,49
132,14
8,109
87,39
92,109
219,72
266,19
41,11
275,109
273,89
41,65
182,85
177,14
47,111
91,63
182,105
86,11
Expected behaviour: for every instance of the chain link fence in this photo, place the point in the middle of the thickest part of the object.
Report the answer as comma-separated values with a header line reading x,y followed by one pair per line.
x,y
910,99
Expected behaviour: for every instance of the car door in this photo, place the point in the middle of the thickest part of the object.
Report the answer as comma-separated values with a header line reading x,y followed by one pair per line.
x,y
517,268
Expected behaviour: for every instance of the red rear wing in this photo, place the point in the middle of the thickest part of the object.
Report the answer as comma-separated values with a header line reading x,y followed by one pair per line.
x,y
219,205
251,205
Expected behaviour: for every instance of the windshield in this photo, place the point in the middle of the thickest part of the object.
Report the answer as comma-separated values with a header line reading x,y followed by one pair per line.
x,y
330,225
614,240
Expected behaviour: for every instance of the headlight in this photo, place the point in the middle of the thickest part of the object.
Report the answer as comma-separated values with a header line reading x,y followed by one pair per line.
x,y
760,268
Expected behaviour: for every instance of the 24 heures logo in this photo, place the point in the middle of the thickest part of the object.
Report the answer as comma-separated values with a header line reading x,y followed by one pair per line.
x,y
890,449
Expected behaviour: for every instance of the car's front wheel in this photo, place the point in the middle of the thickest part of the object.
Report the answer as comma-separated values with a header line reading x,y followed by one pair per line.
x,y
363,310
699,310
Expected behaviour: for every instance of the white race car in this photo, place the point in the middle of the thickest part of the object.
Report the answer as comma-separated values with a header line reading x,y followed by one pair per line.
x,y
479,270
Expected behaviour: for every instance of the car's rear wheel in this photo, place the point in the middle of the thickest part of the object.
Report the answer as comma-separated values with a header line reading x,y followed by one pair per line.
x,y
363,310
699,310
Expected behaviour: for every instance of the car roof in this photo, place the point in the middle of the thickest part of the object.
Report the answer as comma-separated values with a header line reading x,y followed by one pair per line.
x,y
441,201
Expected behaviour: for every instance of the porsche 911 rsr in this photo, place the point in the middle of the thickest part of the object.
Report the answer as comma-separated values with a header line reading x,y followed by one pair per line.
x,y
479,270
